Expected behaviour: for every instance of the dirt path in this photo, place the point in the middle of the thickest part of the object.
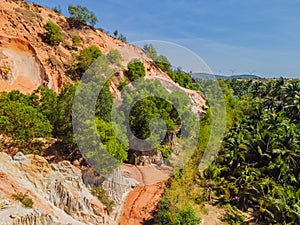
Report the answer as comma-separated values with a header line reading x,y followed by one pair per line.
x,y
212,216
142,202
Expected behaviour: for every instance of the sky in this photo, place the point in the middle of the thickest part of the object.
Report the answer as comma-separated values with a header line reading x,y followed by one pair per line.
x,y
260,37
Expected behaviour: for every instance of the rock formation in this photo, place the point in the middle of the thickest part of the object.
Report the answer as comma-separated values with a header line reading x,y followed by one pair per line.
x,y
58,193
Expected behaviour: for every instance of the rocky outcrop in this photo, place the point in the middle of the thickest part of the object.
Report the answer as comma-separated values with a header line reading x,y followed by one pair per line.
x,y
58,193
146,158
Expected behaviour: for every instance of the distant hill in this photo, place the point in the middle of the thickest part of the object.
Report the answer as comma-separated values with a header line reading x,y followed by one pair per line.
x,y
210,76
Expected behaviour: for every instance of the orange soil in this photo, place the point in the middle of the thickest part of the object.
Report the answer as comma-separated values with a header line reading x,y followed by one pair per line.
x,y
141,203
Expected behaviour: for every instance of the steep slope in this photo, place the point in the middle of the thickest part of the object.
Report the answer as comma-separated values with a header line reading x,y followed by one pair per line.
x,y
32,62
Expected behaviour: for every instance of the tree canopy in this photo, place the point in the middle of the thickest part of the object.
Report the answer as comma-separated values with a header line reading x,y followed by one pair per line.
x,y
82,14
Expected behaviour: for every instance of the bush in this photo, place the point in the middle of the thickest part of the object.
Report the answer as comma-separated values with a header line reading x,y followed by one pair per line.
x,y
23,122
100,193
135,70
82,15
76,40
116,32
122,37
53,34
24,199
114,57
123,84
82,61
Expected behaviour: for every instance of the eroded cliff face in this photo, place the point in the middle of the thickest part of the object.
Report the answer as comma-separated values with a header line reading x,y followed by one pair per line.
x,y
58,192
32,62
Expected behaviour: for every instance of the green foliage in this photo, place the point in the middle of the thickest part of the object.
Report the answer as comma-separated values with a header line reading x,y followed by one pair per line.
x,y
100,193
135,70
82,61
187,217
258,164
76,40
183,79
110,139
53,34
166,151
23,122
141,112
104,104
176,216
62,116
24,199
114,57
150,51
147,109
82,15
259,160
123,84
233,216
178,76
122,37
116,32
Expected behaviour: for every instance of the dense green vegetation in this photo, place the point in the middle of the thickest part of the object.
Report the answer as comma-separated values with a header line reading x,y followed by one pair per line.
x,y
259,161
177,75
258,165
148,100
135,70
53,34
83,60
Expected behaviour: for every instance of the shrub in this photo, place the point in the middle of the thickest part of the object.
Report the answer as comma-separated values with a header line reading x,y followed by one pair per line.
x,y
116,32
114,57
82,61
135,70
53,34
123,84
82,15
100,193
122,37
76,40
23,122
24,199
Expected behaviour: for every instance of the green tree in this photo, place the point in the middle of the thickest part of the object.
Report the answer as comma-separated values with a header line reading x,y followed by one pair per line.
x,y
45,100
110,140
62,119
82,15
135,70
122,37
53,34
82,61
150,51
104,104
23,122
116,32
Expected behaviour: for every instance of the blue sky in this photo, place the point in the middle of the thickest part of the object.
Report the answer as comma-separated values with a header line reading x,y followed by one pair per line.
x,y
232,36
